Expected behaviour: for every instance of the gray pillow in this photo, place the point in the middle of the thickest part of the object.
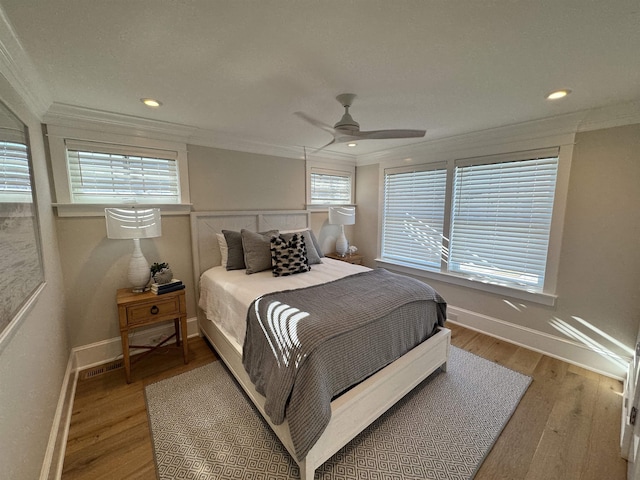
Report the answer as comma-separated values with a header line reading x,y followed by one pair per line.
x,y
257,250
235,256
316,245
312,253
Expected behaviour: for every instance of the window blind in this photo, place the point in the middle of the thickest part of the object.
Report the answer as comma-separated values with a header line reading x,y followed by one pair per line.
x,y
328,188
15,177
501,220
105,175
414,205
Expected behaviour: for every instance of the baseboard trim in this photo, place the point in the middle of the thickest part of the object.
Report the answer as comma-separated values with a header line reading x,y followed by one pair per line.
x,y
81,358
564,349
54,455
105,351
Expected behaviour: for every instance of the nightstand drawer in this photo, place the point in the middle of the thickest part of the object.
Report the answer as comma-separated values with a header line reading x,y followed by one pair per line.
x,y
144,312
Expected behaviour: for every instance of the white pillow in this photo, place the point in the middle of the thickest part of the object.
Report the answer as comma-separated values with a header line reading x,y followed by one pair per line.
x,y
224,249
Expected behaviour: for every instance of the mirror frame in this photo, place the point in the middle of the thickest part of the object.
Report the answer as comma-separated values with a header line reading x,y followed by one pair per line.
x,y
21,259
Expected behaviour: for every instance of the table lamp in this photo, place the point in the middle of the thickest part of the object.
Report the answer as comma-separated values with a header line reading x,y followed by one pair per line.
x,y
342,216
135,223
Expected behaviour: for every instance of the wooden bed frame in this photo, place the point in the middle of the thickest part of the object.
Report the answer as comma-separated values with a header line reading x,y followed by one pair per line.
x,y
352,411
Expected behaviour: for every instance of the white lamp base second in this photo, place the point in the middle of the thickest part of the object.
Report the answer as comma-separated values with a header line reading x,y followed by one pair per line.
x,y
342,245
139,272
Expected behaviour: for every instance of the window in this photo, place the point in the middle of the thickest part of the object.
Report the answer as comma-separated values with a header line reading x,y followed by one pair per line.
x,y
329,185
99,174
93,170
484,219
15,179
414,206
327,188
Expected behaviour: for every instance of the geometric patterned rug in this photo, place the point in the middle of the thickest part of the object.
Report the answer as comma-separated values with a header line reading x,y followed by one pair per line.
x,y
204,427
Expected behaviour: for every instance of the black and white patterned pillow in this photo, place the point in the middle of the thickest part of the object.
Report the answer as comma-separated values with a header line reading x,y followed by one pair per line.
x,y
288,257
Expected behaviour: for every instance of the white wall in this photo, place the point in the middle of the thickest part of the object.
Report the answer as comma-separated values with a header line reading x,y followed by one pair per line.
x,y
94,267
33,359
596,297
598,305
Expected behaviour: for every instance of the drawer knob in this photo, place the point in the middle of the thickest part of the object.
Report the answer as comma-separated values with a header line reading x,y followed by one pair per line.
x,y
154,310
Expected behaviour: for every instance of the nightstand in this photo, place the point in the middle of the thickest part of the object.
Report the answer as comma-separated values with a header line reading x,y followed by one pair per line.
x,y
354,258
141,309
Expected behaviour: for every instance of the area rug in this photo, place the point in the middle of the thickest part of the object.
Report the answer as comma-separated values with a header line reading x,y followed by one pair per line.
x,y
204,427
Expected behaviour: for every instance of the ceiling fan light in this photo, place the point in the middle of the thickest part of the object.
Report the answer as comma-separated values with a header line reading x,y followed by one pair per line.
x,y
557,94
352,145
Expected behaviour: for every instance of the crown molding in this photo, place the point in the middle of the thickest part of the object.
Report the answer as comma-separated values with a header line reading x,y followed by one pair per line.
x,y
550,131
229,142
18,69
611,116
82,118
64,115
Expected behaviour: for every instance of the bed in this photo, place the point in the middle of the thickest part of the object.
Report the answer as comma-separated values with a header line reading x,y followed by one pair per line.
x,y
354,408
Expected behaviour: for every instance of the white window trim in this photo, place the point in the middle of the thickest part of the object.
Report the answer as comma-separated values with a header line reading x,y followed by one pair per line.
x,y
317,166
58,135
548,295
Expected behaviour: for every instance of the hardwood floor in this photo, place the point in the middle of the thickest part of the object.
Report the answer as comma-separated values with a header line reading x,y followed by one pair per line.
x,y
109,435
567,425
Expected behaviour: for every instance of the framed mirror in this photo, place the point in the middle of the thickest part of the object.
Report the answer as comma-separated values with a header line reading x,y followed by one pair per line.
x,y
21,265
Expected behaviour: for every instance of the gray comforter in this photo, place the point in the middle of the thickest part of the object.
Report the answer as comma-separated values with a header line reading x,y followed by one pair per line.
x,y
305,346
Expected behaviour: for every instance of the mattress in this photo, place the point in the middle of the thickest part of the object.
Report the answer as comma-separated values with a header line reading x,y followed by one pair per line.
x,y
225,296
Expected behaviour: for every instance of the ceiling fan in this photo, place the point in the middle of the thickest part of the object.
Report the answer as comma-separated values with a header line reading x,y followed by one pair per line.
x,y
348,130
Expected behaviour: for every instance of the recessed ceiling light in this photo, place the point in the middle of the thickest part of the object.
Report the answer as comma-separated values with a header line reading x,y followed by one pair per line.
x,y
352,145
150,102
558,94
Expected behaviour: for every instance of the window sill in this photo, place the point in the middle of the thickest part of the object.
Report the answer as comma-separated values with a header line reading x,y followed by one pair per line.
x,y
534,297
97,210
325,206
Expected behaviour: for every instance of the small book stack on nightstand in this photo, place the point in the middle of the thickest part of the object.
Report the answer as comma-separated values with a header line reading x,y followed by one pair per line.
x,y
172,286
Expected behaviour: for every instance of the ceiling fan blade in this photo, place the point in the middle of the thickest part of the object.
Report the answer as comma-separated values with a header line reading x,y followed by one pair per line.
x,y
348,130
382,134
315,123
325,146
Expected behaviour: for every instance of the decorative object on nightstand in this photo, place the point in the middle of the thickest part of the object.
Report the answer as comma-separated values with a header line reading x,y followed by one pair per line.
x,y
135,223
342,216
161,273
141,309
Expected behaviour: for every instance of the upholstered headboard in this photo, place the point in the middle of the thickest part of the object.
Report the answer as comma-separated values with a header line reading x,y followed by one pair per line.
x,y
205,225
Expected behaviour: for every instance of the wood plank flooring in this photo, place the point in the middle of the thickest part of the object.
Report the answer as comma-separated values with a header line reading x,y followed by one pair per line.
x,y
566,427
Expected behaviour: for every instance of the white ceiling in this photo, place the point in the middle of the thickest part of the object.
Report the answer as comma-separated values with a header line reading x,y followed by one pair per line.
x,y
240,69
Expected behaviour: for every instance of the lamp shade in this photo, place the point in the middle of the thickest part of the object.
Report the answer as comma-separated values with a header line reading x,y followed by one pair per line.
x,y
135,223
127,223
342,215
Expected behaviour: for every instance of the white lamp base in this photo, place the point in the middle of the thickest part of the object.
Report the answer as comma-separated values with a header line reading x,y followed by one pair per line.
x,y
342,245
139,272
